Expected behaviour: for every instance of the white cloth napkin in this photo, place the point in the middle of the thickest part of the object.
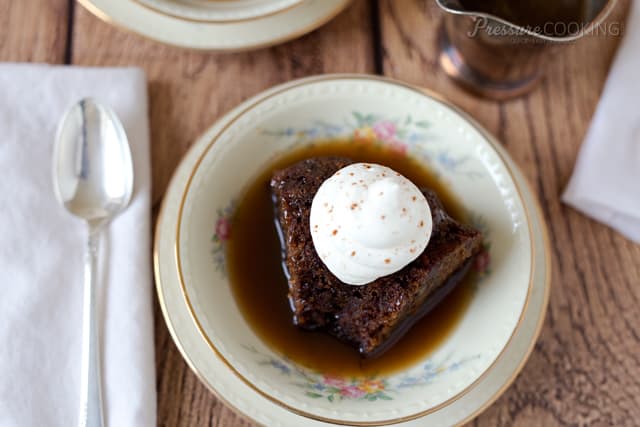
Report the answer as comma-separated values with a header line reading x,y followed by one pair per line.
x,y
606,182
41,257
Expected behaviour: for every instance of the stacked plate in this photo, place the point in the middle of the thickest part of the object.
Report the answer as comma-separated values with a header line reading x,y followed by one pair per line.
x,y
225,25
454,383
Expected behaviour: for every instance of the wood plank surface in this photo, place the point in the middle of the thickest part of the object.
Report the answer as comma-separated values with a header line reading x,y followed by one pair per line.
x,y
188,92
33,30
585,370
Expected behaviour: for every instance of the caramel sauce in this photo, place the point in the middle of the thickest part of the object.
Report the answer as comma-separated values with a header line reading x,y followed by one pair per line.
x,y
260,287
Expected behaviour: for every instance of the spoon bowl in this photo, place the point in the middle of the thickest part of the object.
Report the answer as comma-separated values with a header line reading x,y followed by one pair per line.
x,y
93,172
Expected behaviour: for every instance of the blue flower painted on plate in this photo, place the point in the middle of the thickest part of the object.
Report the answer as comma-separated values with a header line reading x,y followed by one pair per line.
x,y
431,370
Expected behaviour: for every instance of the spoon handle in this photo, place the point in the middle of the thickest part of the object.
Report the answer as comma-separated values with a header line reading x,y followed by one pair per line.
x,y
90,385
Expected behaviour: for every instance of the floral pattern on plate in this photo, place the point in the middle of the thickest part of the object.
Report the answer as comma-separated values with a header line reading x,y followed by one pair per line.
x,y
400,134
404,135
221,234
367,388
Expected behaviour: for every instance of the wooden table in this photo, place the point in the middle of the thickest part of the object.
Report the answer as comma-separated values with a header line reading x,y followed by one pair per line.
x,y
586,366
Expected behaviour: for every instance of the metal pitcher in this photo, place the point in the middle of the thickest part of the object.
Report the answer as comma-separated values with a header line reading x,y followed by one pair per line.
x,y
501,59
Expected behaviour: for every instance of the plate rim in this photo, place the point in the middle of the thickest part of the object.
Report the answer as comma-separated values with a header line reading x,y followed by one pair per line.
x,y
546,243
295,3
104,16
275,91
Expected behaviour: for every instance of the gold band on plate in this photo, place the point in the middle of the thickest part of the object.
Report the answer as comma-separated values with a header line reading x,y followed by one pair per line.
x,y
105,17
211,344
547,286
219,21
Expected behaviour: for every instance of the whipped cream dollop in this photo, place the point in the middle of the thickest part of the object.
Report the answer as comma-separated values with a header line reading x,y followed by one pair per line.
x,y
368,221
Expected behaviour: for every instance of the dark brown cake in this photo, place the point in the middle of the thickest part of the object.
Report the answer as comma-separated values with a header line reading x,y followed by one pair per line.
x,y
374,316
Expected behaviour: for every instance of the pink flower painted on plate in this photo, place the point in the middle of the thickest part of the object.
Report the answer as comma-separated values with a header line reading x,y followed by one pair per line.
x,y
385,130
352,391
333,381
223,229
483,260
398,146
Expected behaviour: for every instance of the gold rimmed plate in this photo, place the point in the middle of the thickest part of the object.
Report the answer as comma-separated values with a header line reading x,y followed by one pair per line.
x,y
430,131
220,11
175,27
225,383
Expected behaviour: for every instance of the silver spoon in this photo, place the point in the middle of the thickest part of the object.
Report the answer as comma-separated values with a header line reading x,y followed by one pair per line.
x,y
93,179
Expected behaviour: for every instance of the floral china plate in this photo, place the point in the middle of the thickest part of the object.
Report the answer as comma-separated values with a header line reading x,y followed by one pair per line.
x,y
241,396
376,111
